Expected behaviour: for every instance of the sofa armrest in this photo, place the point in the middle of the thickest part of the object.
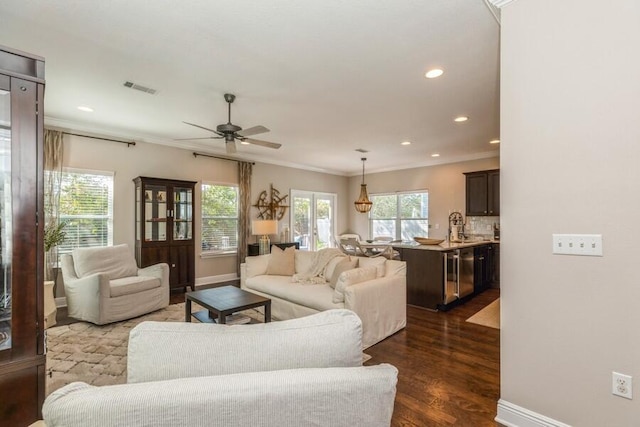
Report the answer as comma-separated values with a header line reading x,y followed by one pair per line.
x,y
85,296
161,271
168,350
381,304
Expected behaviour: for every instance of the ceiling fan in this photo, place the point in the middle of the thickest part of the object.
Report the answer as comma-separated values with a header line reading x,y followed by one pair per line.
x,y
230,132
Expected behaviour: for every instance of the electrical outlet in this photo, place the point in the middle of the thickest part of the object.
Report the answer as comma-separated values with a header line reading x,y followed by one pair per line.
x,y
622,385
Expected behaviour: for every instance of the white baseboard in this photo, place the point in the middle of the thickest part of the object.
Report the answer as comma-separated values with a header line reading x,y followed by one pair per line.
x,y
216,279
512,415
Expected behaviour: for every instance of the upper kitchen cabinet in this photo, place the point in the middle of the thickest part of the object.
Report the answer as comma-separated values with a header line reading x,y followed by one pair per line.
x,y
483,193
164,227
22,355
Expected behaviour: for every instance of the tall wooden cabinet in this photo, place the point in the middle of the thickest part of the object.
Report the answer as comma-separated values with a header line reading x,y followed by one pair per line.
x,y
22,359
164,227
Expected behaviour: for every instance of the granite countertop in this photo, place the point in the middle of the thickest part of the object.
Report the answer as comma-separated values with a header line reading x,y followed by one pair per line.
x,y
446,246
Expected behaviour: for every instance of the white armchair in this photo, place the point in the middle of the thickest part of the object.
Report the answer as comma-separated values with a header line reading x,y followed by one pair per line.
x,y
294,373
104,285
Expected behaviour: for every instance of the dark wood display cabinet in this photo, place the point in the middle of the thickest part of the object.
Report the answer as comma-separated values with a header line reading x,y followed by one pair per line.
x,y
164,227
483,193
22,347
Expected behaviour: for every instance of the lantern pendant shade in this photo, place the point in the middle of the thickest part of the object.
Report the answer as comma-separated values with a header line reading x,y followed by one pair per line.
x,y
363,204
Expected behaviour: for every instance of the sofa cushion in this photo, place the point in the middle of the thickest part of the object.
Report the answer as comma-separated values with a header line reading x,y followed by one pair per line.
x,y
304,261
282,263
318,297
331,266
395,268
379,262
133,285
344,265
114,261
256,265
351,277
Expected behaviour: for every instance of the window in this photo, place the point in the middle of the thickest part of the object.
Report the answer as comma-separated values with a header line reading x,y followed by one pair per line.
x,y
86,206
219,218
401,215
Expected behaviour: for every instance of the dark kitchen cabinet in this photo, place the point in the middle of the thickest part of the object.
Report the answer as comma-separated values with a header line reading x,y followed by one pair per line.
x,y
484,266
22,347
165,227
483,193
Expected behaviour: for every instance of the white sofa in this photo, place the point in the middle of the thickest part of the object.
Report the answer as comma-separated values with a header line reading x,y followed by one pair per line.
x,y
379,301
104,284
297,373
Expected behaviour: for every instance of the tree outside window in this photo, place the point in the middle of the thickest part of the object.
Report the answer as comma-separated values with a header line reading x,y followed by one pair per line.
x,y
219,218
402,216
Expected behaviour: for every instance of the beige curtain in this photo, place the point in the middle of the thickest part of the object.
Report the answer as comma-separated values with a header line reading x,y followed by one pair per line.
x,y
53,150
244,210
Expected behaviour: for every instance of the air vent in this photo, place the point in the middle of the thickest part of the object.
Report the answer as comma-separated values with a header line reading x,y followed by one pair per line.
x,y
141,88
362,150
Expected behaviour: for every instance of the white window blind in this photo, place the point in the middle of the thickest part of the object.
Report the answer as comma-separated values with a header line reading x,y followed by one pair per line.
x,y
86,206
219,218
400,215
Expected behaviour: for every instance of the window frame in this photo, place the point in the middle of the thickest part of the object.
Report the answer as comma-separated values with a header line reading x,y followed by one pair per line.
x,y
398,219
219,252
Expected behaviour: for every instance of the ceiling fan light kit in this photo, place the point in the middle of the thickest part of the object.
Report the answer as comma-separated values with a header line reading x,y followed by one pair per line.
x,y
363,204
230,132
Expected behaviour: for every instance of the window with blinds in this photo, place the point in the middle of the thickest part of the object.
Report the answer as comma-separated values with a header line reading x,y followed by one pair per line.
x,y
86,206
402,216
219,218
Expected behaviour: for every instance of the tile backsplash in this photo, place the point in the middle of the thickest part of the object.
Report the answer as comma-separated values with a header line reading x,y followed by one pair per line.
x,y
480,226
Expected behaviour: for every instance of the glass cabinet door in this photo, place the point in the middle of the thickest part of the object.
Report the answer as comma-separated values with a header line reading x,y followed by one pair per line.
x,y
183,214
155,213
5,220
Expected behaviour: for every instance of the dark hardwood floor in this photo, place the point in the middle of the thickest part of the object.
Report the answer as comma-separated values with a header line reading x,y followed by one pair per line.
x,y
449,369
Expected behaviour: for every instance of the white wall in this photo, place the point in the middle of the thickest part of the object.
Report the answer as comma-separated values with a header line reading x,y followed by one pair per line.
x,y
446,185
570,156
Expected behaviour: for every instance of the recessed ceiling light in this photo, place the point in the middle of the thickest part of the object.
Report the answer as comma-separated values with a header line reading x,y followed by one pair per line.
x,y
435,155
495,141
432,74
244,143
405,143
85,109
461,119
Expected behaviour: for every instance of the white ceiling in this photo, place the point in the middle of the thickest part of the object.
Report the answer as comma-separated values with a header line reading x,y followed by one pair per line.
x,y
327,77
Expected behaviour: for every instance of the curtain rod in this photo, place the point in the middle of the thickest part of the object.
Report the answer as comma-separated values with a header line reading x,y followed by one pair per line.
x,y
129,143
220,157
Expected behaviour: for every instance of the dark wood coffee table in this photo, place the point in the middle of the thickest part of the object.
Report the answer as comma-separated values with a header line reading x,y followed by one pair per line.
x,y
222,302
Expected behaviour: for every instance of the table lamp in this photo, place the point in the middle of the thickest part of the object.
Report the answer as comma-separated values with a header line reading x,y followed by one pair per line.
x,y
263,228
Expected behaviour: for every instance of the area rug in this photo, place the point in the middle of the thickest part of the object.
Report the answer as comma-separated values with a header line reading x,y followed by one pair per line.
x,y
98,354
488,316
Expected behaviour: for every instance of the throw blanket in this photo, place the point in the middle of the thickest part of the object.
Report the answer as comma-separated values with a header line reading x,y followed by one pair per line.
x,y
314,275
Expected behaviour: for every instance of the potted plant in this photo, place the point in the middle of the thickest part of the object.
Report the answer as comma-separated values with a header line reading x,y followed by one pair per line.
x,y
54,234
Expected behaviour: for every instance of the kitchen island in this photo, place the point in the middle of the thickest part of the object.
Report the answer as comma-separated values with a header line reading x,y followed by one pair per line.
x,y
442,276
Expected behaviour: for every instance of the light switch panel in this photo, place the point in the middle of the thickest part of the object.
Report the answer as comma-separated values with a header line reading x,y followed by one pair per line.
x,y
577,244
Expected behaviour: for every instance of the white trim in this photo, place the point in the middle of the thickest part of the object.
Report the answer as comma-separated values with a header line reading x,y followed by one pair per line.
x,y
500,3
512,415
200,281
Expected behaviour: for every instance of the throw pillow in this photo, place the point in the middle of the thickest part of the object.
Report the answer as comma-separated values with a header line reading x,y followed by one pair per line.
x,y
344,265
282,263
351,277
331,266
379,262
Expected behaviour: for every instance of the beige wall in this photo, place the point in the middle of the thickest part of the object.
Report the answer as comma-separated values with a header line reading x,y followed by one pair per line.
x,y
569,164
168,162
445,183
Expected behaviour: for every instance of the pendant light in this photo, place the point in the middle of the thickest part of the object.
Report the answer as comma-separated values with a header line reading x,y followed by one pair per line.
x,y
363,204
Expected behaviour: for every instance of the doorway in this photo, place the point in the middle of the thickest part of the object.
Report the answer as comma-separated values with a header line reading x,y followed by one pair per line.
x,y
313,219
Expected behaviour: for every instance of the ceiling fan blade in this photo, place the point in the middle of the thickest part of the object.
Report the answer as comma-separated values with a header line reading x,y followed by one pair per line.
x,y
262,143
253,131
202,127
231,147
193,139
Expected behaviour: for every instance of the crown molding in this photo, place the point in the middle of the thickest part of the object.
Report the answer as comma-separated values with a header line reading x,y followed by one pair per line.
x,y
500,3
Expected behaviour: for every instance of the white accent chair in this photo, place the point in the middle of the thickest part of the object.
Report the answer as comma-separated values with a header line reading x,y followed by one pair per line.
x,y
104,285
294,373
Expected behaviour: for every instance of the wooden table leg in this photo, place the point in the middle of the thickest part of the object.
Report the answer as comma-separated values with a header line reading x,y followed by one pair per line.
x,y
222,318
267,312
187,310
